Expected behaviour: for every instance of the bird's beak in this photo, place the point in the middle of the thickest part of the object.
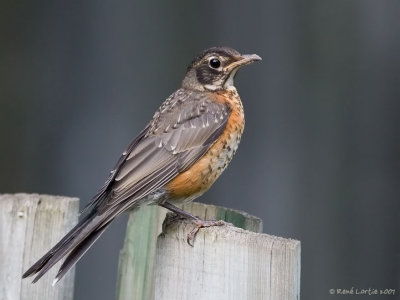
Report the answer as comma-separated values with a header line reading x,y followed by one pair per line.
x,y
243,60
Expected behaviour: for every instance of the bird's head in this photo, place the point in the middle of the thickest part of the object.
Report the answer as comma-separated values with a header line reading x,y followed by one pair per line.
x,y
215,69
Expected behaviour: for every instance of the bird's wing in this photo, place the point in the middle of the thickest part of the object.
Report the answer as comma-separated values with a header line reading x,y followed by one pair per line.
x,y
182,130
103,192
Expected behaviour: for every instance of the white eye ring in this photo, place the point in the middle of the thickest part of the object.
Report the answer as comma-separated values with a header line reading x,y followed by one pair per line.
x,y
214,63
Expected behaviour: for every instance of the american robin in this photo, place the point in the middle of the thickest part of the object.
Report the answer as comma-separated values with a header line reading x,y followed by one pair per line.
x,y
176,158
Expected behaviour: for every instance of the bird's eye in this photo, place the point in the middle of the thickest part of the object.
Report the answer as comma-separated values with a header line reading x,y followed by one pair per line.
x,y
214,63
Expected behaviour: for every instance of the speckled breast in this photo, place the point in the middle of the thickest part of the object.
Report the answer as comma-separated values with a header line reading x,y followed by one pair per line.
x,y
199,177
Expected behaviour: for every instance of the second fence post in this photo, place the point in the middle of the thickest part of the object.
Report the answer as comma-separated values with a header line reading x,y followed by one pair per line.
x,y
225,263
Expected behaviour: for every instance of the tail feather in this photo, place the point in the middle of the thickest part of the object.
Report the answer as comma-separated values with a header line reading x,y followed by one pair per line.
x,y
82,236
45,258
75,255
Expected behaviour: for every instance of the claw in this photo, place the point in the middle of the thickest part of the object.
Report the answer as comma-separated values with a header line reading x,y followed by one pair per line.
x,y
199,223
180,214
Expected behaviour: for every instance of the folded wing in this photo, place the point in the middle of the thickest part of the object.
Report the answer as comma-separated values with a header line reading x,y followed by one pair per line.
x,y
182,130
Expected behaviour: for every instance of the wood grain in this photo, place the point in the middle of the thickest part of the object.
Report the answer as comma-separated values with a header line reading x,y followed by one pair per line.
x,y
30,224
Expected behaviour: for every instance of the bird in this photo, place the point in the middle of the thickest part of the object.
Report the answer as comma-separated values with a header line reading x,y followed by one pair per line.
x,y
181,152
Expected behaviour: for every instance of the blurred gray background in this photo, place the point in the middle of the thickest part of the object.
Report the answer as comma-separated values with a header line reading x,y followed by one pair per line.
x,y
319,160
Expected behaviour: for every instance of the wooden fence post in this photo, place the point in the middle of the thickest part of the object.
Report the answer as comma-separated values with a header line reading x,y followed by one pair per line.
x,y
136,261
29,225
225,263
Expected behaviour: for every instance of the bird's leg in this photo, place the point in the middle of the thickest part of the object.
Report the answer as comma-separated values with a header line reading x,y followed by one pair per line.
x,y
179,211
198,222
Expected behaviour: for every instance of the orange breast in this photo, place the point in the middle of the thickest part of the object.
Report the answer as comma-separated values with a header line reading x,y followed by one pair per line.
x,y
202,174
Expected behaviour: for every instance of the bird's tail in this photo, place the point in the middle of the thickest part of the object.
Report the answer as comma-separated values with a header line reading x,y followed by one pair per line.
x,y
73,245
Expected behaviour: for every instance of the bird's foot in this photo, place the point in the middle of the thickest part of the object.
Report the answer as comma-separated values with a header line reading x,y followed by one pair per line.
x,y
199,223
184,215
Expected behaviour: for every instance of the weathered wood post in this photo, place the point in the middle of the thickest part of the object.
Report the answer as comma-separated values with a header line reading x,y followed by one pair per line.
x,y
226,262
29,225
